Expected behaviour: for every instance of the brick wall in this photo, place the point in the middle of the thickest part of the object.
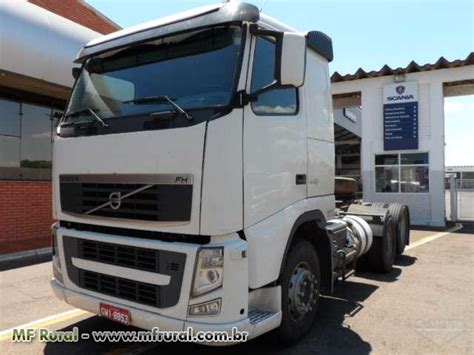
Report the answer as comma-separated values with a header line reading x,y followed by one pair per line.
x,y
25,215
79,12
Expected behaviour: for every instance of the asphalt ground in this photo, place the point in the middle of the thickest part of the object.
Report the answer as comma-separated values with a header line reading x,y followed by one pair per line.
x,y
424,306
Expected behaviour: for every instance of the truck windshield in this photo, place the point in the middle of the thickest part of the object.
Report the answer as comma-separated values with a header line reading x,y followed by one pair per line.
x,y
195,70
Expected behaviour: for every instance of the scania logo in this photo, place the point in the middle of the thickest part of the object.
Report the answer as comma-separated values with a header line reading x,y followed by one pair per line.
x,y
400,89
400,97
115,200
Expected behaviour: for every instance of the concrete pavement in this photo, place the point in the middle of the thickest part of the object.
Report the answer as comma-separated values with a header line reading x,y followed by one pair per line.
x,y
424,306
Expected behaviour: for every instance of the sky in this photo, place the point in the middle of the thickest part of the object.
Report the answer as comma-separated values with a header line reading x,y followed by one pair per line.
x,y
365,33
459,130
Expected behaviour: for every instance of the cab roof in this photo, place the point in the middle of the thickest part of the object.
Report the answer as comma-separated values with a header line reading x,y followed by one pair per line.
x,y
228,12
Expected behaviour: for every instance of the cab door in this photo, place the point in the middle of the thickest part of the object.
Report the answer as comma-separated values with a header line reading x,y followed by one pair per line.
x,y
274,135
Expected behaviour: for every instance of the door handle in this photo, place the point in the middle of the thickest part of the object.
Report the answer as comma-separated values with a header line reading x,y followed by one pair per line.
x,y
300,179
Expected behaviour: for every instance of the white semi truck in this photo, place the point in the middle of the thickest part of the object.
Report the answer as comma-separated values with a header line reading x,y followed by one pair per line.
x,y
194,178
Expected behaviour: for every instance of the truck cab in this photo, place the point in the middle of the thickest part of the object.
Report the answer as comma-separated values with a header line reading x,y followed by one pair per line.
x,y
193,175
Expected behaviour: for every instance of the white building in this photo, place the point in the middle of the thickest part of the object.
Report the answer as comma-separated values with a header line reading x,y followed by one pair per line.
x,y
38,42
403,160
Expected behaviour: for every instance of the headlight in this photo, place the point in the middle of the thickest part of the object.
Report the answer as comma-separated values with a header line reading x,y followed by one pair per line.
x,y
208,274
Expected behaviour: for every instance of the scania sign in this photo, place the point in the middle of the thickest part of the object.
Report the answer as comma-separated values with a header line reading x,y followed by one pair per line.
x,y
406,92
400,97
399,91
400,115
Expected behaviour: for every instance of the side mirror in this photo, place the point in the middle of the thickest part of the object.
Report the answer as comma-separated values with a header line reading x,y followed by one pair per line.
x,y
75,72
292,59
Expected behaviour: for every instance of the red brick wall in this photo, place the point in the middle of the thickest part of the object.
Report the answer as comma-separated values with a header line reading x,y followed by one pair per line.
x,y
77,11
25,215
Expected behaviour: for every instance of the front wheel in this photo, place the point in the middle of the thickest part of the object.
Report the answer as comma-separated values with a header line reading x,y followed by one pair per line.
x,y
300,287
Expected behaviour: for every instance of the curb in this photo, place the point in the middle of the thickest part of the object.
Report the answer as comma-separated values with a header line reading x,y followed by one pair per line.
x,y
26,254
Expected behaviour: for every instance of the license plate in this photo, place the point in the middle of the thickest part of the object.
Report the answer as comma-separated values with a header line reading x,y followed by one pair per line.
x,y
114,313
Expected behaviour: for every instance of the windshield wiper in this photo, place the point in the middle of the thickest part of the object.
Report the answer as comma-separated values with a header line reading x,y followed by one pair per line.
x,y
145,100
91,112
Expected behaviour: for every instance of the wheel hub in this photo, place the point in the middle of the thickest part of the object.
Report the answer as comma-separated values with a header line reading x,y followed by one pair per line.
x,y
302,291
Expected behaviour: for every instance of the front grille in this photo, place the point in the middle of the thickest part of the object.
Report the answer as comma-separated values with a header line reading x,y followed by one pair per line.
x,y
164,203
131,257
143,205
137,233
123,255
121,288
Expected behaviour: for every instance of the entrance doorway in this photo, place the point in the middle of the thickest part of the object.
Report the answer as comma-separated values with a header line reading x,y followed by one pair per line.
x,y
459,150
347,137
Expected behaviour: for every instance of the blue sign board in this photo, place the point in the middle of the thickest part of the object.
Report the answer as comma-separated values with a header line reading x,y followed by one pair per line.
x,y
400,115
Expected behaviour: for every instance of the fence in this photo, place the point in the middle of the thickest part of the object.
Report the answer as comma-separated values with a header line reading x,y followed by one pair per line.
x,y
459,194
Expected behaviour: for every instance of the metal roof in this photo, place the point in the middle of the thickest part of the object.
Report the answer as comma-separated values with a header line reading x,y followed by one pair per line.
x,y
413,67
79,12
459,168
37,43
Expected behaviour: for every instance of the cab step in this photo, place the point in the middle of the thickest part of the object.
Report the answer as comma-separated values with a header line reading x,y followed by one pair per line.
x,y
257,316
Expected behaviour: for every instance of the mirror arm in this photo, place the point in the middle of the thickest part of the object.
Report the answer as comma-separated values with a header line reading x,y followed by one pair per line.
x,y
278,35
76,72
256,31
254,95
242,98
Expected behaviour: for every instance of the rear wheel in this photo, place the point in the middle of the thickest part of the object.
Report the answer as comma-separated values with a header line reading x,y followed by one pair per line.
x,y
403,232
401,217
300,287
381,256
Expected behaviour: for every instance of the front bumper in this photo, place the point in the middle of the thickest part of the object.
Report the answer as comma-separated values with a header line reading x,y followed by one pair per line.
x,y
149,320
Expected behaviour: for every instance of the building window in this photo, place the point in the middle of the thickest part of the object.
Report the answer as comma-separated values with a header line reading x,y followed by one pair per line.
x,y
404,173
36,137
386,178
10,134
277,101
26,134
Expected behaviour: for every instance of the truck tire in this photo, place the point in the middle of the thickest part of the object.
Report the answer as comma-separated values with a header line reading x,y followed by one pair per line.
x,y
404,229
402,222
401,216
300,286
381,256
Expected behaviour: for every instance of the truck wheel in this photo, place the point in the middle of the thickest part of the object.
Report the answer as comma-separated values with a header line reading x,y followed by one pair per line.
x,y
402,221
382,254
300,287
401,216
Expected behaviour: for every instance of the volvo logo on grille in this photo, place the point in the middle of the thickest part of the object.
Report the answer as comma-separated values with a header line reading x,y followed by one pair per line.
x,y
115,200
116,197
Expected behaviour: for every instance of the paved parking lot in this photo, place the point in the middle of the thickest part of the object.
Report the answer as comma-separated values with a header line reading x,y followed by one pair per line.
x,y
424,306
